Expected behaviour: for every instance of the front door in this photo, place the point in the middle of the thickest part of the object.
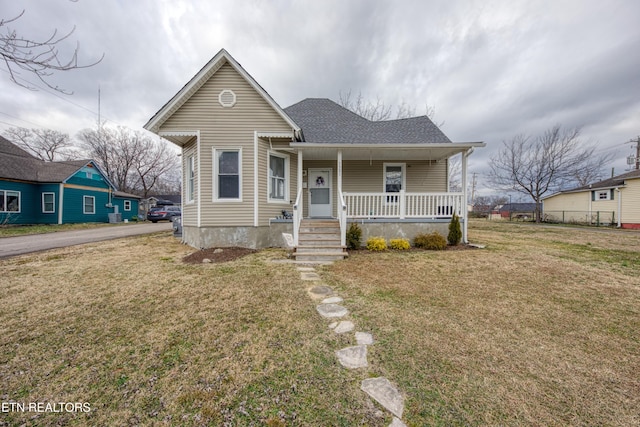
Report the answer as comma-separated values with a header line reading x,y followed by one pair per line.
x,y
319,182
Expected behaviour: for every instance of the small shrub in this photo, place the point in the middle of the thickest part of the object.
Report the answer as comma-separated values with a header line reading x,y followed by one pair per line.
x,y
376,244
354,236
399,244
433,241
455,234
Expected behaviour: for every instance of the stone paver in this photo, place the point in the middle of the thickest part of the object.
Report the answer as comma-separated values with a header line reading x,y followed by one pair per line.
x,y
397,423
332,325
309,275
383,392
344,326
320,292
364,338
331,310
332,300
353,357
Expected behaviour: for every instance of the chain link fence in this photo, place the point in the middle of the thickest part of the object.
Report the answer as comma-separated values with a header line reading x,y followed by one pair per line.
x,y
593,218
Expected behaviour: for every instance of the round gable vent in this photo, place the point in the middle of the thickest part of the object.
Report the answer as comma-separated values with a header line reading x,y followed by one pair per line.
x,y
227,98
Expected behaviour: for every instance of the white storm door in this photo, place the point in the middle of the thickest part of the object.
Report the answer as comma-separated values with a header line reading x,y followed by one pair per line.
x,y
319,183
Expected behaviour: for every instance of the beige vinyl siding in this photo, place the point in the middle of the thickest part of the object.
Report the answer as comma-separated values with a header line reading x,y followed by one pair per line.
x,y
363,176
568,202
268,209
189,209
630,201
231,128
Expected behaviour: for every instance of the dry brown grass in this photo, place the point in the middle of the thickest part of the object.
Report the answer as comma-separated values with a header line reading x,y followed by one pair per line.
x,y
145,339
540,328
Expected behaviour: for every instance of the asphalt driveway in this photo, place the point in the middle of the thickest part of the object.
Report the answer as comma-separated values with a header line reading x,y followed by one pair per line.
x,y
12,246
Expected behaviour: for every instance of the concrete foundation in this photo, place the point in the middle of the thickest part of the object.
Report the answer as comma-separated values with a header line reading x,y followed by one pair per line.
x,y
271,236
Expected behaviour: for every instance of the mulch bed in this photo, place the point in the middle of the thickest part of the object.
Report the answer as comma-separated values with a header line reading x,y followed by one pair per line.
x,y
217,255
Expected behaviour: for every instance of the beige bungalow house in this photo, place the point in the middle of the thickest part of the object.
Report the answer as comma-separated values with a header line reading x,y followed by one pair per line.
x,y
613,201
253,170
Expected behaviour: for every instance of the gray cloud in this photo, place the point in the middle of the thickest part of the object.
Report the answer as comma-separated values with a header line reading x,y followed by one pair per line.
x,y
492,69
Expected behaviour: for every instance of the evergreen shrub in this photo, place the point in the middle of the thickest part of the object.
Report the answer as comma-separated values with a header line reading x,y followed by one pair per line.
x,y
376,244
433,241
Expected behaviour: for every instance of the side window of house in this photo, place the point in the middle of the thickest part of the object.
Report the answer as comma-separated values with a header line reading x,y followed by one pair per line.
x,y
9,201
277,177
191,176
88,205
48,204
228,174
127,205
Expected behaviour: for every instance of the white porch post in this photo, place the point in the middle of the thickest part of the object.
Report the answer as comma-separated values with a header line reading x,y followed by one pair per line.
x,y
301,201
339,171
464,195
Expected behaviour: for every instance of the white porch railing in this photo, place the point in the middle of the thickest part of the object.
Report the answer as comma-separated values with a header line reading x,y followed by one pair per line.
x,y
342,218
403,205
297,217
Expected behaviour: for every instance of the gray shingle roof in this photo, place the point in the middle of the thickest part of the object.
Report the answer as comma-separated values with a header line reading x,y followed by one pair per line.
x,y
324,121
15,163
615,181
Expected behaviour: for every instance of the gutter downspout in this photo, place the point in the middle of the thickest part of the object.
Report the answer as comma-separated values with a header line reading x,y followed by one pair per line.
x,y
619,207
60,202
256,198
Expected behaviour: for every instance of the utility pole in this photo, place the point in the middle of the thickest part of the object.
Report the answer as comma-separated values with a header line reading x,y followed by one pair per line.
x,y
631,160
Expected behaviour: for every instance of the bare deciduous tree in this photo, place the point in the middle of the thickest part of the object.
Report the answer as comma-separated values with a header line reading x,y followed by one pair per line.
x,y
36,57
546,164
45,144
133,162
378,110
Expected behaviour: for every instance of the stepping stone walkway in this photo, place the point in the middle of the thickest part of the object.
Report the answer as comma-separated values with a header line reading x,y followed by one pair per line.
x,y
379,389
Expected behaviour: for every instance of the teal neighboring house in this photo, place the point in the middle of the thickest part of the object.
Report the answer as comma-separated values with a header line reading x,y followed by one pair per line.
x,y
33,191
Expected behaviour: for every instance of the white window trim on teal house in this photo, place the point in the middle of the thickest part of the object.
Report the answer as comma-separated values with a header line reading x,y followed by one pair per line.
x,y
216,196
84,205
286,197
52,202
4,194
127,205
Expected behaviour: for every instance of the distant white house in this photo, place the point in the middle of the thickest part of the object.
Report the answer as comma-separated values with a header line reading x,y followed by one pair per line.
x,y
615,200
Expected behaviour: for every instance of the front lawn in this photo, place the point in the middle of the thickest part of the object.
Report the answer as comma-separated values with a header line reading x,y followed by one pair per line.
x,y
542,327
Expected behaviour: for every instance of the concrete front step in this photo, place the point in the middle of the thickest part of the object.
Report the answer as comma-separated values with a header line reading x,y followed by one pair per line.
x,y
304,249
319,242
314,229
320,256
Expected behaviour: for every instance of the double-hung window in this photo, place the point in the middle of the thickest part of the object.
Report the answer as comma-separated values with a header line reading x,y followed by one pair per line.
x,y
48,203
88,205
127,205
191,178
9,201
394,178
227,174
278,172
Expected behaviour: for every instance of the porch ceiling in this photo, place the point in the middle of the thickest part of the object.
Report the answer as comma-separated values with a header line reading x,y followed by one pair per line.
x,y
384,151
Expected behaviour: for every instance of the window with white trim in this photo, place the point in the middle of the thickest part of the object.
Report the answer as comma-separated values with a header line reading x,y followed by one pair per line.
x,y
127,205
602,195
278,173
191,178
88,205
394,179
227,174
9,201
48,203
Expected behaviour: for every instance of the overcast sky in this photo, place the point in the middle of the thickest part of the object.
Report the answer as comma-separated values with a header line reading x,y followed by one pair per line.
x,y
491,69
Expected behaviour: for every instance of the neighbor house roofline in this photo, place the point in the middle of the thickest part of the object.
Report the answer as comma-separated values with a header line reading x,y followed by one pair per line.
x,y
199,79
396,145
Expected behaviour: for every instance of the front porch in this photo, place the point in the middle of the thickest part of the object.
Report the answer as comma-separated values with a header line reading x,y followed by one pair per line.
x,y
414,183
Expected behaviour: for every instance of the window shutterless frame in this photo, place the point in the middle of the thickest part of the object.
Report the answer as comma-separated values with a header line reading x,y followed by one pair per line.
x,y
88,205
48,202
278,178
227,174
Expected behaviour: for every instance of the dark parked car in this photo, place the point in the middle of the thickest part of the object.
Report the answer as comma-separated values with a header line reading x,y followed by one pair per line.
x,y
163,213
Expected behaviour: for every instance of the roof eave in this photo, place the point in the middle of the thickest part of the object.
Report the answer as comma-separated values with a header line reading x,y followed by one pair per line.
x,y
461,145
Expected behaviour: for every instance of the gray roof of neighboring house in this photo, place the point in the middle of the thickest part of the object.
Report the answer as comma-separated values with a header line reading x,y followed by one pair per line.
x,y
612,182
324,121
15,163
518,207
